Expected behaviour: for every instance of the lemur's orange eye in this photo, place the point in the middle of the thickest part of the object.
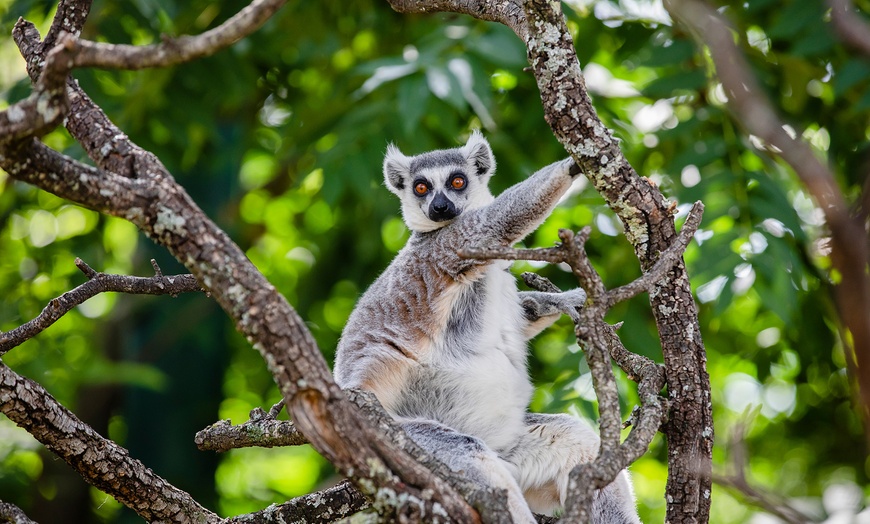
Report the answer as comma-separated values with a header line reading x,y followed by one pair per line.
x,y
421,188
458,182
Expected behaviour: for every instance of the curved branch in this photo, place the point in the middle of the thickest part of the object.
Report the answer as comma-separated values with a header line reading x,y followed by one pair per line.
x,y
507,12
97,283
174,51
100,461
44,109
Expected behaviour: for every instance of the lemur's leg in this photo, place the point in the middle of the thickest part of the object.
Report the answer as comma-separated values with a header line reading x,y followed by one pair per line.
x,y
480,464
545,455
542,309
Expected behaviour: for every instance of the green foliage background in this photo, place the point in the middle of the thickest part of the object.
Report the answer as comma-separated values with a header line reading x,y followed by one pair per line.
x,y
280,139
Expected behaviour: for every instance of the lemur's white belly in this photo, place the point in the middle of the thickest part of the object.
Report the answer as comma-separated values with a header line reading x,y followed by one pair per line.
x,y
474,379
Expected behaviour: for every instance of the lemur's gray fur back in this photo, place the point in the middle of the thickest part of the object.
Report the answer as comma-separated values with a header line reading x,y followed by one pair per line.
x,y
441,340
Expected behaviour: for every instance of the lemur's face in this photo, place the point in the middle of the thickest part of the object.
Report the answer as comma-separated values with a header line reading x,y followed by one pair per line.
x,y
438,186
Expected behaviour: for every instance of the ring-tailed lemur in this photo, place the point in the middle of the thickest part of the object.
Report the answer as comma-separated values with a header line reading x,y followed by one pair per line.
x,y
441,340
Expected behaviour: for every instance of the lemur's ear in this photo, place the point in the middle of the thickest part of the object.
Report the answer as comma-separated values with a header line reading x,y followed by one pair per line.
x,y
479,154
397,168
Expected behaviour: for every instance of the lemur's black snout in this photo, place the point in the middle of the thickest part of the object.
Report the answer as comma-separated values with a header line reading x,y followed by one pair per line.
x,y
441,208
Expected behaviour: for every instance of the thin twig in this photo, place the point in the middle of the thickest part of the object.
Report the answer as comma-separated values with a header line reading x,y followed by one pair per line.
x,y
666,261
97,283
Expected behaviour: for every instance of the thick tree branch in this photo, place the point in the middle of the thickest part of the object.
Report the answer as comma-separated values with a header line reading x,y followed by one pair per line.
x,y
97,283
752,110
98,460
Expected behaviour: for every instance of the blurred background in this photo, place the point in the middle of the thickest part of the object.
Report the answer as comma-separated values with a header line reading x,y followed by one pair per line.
x,y
280,139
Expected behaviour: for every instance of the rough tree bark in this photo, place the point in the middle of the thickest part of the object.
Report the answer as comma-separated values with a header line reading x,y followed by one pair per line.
x,y
130,182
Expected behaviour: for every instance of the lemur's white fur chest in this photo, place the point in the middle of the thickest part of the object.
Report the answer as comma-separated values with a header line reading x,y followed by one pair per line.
x,y
474,375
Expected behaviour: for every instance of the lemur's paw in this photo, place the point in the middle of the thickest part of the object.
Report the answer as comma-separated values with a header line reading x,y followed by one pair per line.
x,y
573,298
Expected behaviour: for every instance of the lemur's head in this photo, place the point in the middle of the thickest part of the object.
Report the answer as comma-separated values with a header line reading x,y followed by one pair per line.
x,y
438,186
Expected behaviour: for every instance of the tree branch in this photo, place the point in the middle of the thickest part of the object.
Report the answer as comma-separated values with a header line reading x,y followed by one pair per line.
x,y
100,461
259,431
321,507
507,12
43,110
97,283
12,514
174,51
752,110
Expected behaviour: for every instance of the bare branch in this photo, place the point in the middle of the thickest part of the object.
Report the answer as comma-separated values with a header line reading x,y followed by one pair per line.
x,y
174,51
321,507
849,25
666,261
600,343
12,514
97,283
265,433
100,461
43,110
507,12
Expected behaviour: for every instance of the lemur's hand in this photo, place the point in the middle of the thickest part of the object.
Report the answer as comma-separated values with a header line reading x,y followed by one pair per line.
x,y
569,301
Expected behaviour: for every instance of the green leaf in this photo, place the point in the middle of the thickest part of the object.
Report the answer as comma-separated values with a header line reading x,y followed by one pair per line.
x,y
667,86
850,74
678,52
